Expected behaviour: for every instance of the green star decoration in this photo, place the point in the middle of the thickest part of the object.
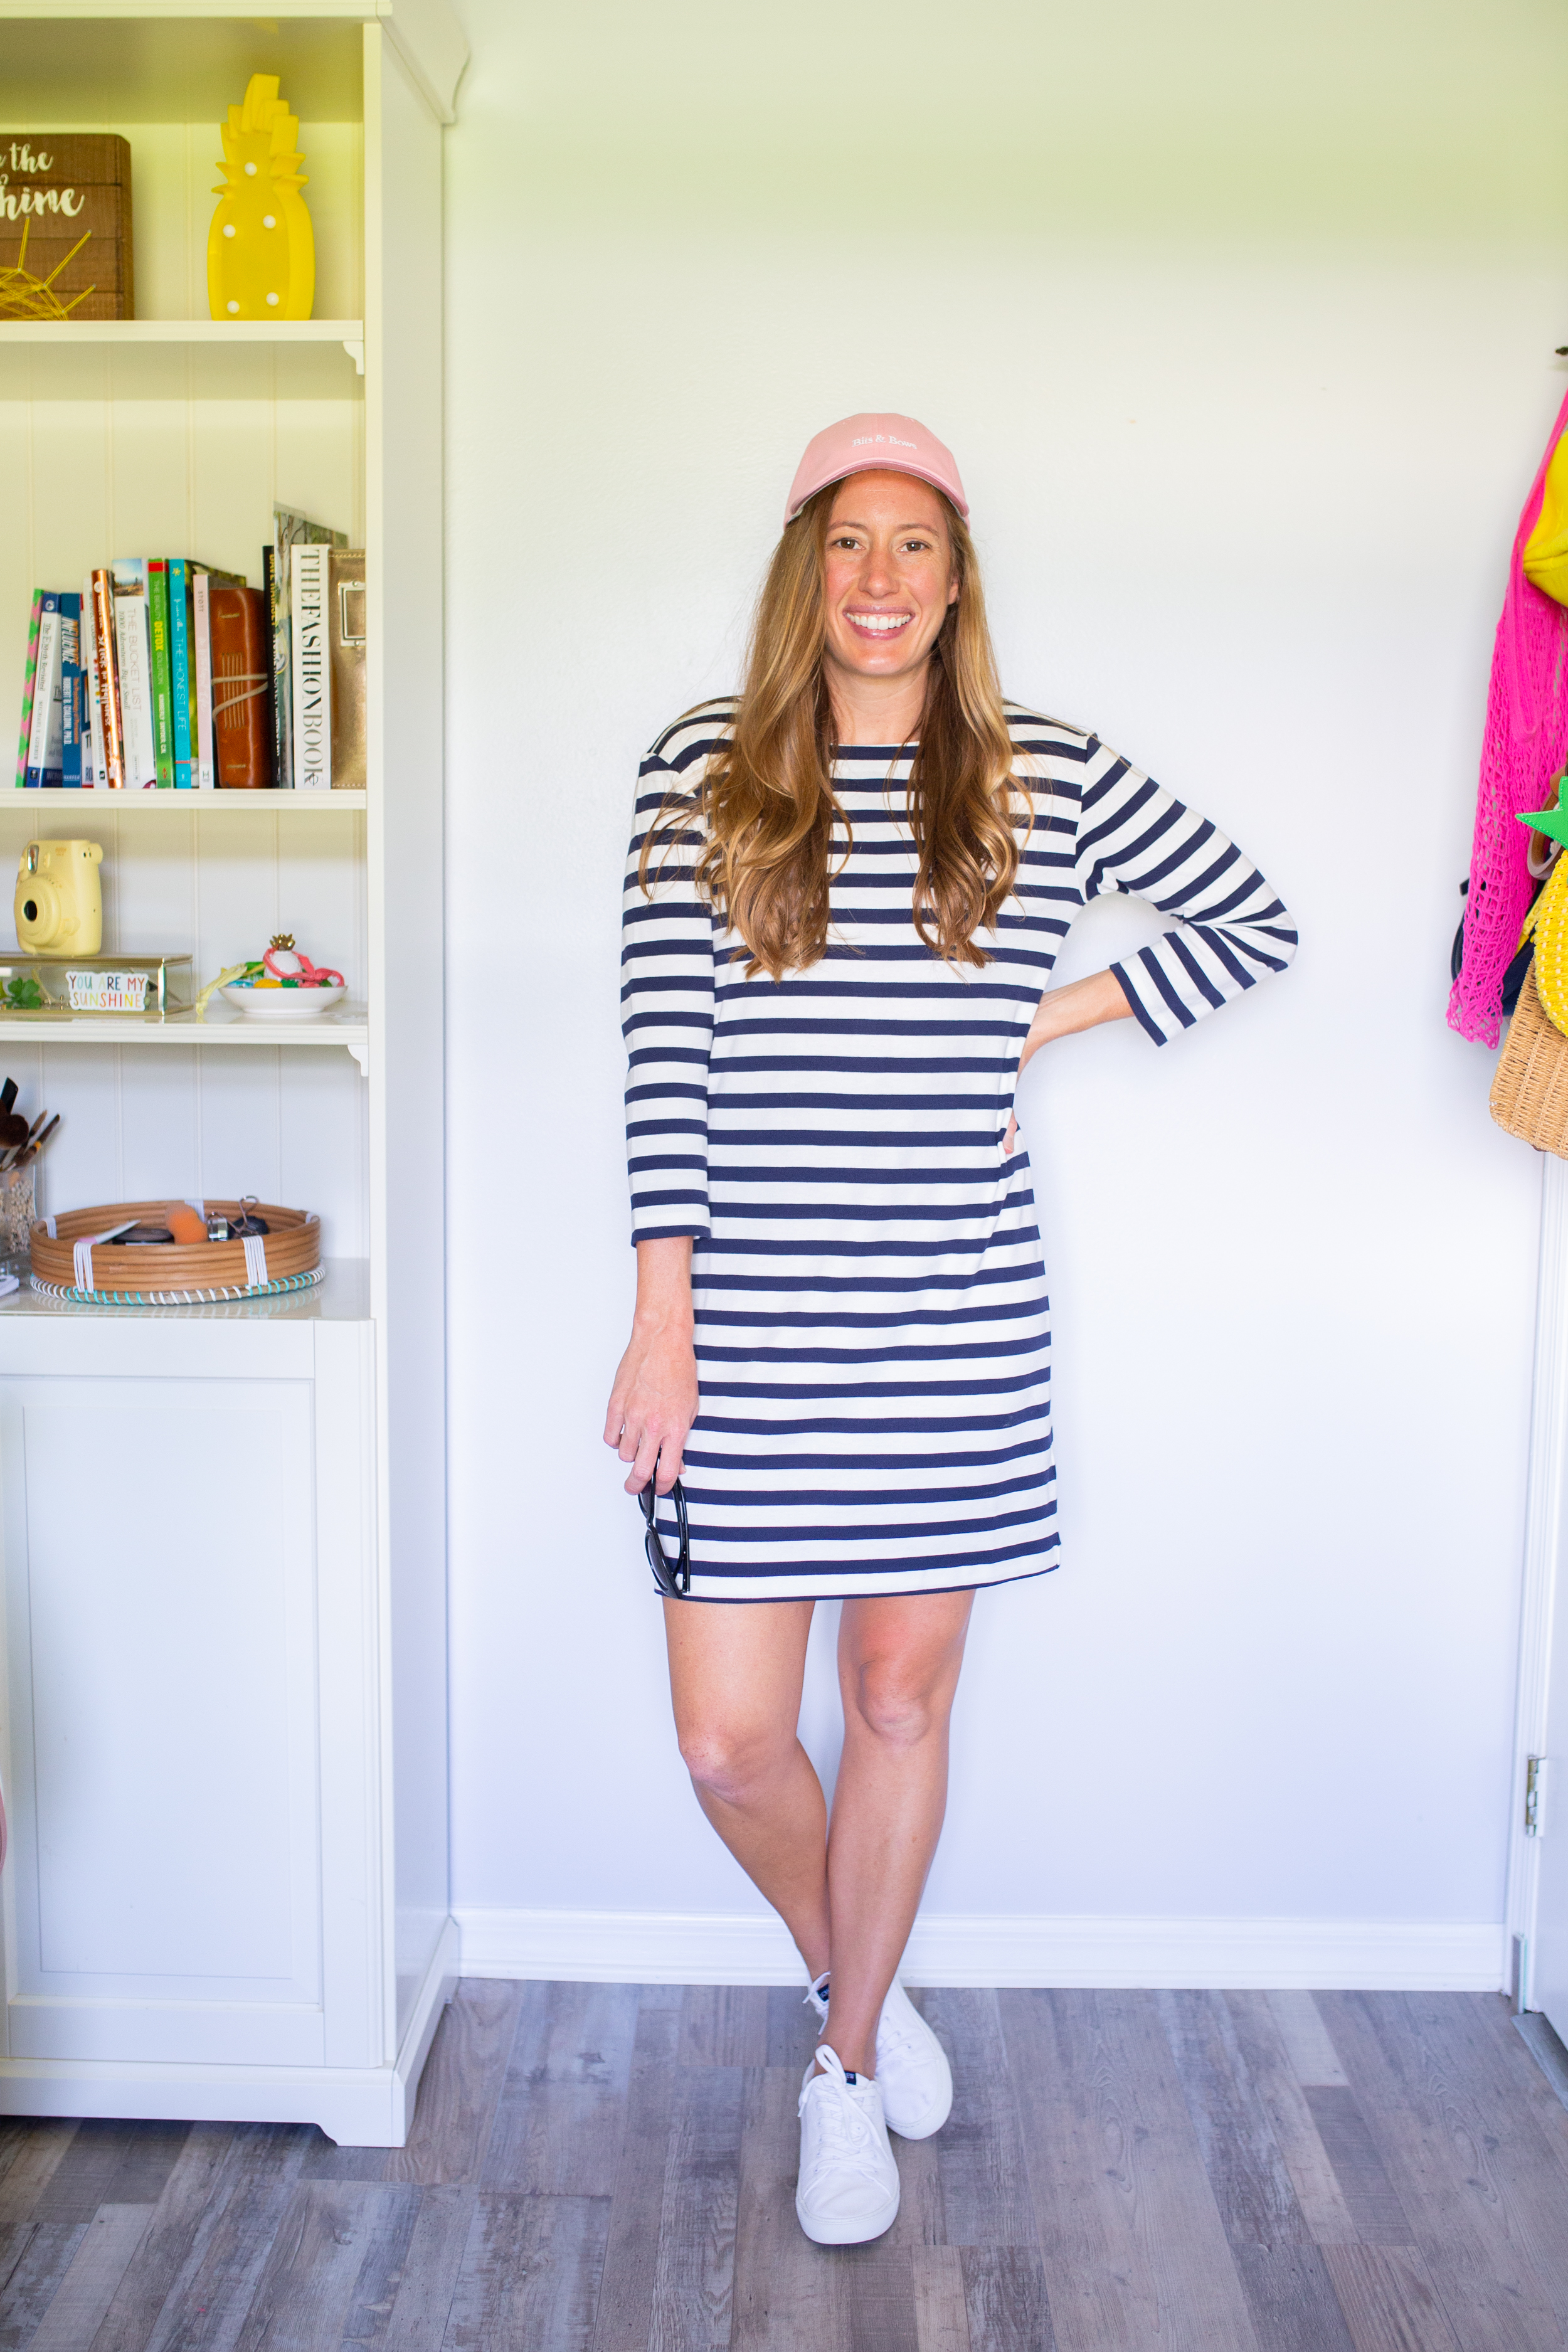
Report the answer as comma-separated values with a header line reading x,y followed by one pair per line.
x,y
1552,821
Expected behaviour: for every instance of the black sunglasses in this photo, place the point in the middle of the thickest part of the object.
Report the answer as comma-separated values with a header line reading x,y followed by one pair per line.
x,y
675,1583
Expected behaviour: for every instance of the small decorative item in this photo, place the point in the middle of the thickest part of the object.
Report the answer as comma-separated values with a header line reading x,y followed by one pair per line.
x,y
106,992
283,966
59,904
303,1004
21,1141
284,986
261,250
66,986
19,1208
98,1255
25,296
230,971
70,192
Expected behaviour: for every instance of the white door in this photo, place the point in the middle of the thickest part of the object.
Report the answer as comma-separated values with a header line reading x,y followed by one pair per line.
x,y
162,1896
1549,1963
1538,1864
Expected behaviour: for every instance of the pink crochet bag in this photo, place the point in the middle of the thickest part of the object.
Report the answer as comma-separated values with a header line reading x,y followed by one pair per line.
x,y
1523,754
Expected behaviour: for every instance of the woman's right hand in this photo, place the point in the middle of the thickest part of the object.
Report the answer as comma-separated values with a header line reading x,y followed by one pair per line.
x,y
654,1401
1061,1012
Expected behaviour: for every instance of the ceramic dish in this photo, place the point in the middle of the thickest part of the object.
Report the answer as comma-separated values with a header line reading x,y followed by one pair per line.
x,y
284,1004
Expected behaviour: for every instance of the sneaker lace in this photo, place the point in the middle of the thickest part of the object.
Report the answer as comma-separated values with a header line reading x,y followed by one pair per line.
x,y
895,2033
846,2134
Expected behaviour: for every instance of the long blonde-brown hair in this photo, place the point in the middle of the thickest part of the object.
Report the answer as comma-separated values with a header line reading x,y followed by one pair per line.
x,y
767,792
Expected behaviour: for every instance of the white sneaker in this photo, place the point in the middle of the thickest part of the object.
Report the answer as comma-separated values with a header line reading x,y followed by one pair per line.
x,y
912,2072
848,2187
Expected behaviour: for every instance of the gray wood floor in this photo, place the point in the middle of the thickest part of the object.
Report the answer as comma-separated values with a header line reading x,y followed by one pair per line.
x,y
611,2168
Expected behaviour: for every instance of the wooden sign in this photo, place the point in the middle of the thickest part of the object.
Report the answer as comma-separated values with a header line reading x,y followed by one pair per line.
x,y
59,191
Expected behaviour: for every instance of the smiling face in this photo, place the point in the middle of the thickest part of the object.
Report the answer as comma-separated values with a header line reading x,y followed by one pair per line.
x,y
888,577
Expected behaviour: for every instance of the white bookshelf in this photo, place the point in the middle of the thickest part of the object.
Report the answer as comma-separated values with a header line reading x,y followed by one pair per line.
x,y
301,1603
181,1032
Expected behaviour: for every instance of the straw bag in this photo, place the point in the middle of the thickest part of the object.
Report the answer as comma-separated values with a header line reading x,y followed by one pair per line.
x,y
1530,1092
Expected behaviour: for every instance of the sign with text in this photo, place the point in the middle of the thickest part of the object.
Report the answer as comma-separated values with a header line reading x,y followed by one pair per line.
x,y
58,190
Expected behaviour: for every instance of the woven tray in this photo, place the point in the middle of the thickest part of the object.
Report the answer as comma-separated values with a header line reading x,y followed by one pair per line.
x,y
1530,1092
166,1272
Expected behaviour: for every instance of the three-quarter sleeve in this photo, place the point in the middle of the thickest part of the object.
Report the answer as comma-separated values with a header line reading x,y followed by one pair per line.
x,y
1233,929
667,1015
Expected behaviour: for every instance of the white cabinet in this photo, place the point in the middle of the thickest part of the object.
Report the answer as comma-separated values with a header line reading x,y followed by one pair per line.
x,y
223,1743
162,1580
201,1913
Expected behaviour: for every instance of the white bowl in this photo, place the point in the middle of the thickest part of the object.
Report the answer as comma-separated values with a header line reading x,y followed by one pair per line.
x,y
284,1004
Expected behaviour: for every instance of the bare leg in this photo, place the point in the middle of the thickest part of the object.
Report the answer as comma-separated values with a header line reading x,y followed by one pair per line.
x,y
735,1677
898,1660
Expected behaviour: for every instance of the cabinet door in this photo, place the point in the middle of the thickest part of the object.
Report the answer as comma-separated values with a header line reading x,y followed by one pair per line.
x,y
163,1896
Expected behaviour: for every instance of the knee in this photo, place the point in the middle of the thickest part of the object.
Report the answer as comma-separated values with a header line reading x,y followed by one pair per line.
x,y
729,1761
894,1707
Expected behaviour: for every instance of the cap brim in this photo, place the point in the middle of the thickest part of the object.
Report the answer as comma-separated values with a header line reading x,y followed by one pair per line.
x,y
879,465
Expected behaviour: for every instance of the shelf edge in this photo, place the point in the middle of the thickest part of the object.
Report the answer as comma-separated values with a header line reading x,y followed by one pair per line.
x,y
191,802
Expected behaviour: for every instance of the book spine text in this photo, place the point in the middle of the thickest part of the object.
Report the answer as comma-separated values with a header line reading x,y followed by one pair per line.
x,y
30,671
311,682
44,751
202,669
163,697
108,681
72,710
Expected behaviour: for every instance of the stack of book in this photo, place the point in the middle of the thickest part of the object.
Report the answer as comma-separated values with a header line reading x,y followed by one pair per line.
x,y
160,672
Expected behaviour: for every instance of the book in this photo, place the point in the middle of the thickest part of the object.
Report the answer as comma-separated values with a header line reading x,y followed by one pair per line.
x,y
202,674
72,189
73,710
94,770
241,643
44,750
310,684
181,694
133,653
346,633
276,642
290,529
29,671
162,696
202,580
107,680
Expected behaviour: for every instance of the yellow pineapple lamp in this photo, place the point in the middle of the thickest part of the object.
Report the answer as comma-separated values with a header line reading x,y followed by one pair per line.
x,y
261,252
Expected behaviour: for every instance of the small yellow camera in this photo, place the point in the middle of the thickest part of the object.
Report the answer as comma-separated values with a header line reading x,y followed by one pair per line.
x,y
59,907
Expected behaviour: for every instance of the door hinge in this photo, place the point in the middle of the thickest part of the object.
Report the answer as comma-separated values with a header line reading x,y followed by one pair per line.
x,y
1534,1796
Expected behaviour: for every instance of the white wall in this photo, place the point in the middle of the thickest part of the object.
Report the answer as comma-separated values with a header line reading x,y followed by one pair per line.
x,y
1243,336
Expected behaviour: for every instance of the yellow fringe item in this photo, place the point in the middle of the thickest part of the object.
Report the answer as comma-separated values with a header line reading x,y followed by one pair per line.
x,y
1545,555
1547,923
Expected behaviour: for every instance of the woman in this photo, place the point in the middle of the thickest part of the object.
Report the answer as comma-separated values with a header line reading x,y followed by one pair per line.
x,y
846,894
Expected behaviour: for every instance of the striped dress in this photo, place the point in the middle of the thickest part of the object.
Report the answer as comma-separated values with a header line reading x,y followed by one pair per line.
x,y
872,1328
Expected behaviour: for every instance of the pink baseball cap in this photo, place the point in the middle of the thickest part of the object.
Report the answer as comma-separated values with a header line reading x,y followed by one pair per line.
x,y
864,444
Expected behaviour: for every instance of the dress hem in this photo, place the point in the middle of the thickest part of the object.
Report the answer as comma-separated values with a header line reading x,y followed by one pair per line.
x,y
878,1591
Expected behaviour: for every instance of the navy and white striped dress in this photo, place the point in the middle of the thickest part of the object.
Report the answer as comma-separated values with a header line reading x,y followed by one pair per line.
x,y
872,1328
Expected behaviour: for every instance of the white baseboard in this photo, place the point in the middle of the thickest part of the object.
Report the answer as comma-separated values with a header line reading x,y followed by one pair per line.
x,y
436,1988
744,1948
358,2106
